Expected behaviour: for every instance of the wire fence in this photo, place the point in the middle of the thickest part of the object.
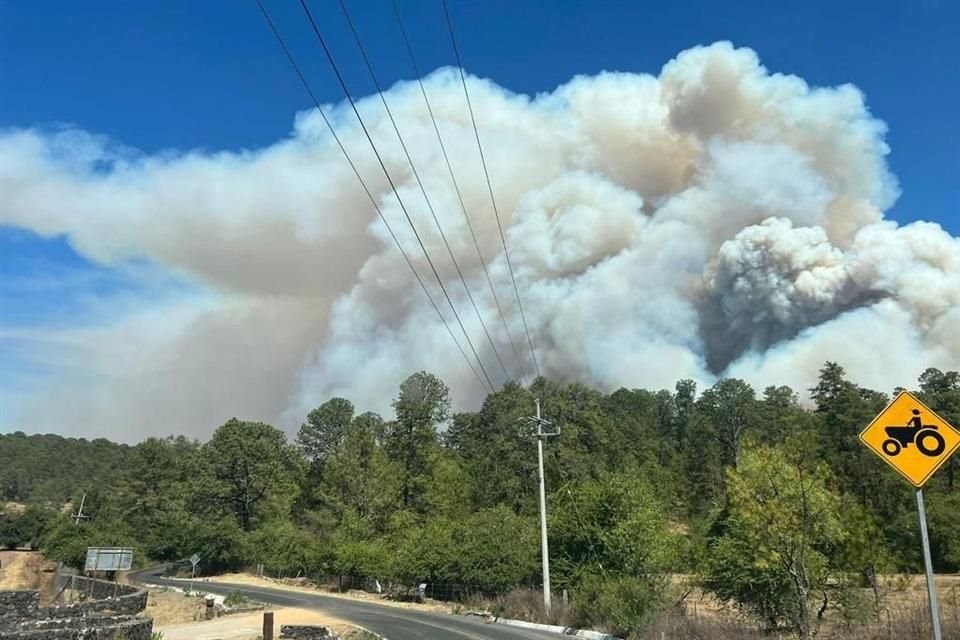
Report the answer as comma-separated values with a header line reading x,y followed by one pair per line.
x,y
398,590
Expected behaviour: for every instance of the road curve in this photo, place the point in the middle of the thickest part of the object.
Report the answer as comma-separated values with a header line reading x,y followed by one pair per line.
x,y
394,623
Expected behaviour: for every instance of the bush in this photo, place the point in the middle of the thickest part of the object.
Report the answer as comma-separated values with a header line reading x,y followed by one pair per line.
x,y
621,605
236,599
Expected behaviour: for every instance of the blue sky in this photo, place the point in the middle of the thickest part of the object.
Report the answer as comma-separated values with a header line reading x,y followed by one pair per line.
x,y
182,74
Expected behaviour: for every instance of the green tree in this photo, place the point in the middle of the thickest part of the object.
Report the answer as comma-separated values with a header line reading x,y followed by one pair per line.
x,y
843,410
27,528
247,470
774,558
283,548
152,495
684,399
613,524
613,546
360,558
941,392
780,416
729,408
221,544
589,440
32,467
412,441
494,455
448,493
67,542
324,430
864,552
359,478
497,550
424,552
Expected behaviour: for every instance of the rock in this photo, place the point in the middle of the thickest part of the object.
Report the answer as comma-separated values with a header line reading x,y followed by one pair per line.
x,y
307,632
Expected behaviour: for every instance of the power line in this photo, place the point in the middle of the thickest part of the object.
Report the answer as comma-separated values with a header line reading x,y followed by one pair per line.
x,y
373,201
416,174
486,173
386,173
456,186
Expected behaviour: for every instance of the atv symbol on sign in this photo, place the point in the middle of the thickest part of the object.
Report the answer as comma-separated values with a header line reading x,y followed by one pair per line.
x,y
925,436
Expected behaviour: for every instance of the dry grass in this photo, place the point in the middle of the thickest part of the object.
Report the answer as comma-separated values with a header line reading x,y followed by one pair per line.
x,y
173,607
22,570
19,507
304,585
520,604
13,507
912,625
249,626
904,615
699,616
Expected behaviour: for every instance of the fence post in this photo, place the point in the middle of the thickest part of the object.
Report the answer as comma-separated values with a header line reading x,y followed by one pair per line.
x,y
268,625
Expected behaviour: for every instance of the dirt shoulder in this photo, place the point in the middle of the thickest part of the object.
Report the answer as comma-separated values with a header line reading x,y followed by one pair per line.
x,y
250,626
303,586
22,570
168,607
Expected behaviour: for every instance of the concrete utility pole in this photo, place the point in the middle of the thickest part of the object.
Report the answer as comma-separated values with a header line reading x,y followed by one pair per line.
x,y
541,435
78,516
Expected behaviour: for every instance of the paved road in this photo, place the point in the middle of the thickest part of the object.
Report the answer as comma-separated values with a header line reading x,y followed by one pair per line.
x,y
392,622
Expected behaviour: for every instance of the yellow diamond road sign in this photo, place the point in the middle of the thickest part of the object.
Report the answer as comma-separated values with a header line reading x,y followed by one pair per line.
x,y
911,438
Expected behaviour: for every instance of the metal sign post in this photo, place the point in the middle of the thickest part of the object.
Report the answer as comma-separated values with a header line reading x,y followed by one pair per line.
x,y
194,561
928,566
108,559
916,442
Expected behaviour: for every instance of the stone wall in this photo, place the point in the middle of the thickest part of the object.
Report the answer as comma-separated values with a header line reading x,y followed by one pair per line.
x,y
18,604
83,629
306,632
106,611
98,589
100,597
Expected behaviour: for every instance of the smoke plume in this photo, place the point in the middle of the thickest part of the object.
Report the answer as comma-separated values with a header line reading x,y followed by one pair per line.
x,y
715,220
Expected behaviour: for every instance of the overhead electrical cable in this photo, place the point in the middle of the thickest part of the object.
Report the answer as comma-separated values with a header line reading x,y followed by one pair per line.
x,y
416,175
393,186
456,186
486,173
366,189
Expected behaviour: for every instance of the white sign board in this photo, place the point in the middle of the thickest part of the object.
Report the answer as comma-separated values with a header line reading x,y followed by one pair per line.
x,y
194,559
108,559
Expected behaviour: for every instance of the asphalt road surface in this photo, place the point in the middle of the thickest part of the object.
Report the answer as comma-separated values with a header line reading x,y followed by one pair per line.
x,y
394,623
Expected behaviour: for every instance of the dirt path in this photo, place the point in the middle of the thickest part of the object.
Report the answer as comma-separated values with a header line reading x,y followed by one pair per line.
x,y
248,627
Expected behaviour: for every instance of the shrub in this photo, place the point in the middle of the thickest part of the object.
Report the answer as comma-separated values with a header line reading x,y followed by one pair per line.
x,y
235,599
621,605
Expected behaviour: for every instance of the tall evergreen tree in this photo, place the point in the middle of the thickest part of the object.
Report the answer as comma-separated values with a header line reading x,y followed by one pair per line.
x,y
412,440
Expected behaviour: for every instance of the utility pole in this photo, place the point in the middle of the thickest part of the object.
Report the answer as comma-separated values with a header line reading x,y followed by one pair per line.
x,y
78,516
541,435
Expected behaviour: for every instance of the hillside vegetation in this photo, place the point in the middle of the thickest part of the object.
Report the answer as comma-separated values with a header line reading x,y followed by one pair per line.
x,y
770,507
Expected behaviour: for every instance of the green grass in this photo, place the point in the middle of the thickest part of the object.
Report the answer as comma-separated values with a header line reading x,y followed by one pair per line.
x,y
236,599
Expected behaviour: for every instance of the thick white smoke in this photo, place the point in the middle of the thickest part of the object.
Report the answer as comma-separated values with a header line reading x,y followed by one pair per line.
x,y
715,220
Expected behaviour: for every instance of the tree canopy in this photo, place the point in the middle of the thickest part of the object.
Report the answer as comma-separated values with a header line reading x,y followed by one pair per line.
x,y
766,496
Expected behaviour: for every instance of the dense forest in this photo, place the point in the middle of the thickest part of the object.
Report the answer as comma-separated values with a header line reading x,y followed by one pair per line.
x,y
49,468
766,500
